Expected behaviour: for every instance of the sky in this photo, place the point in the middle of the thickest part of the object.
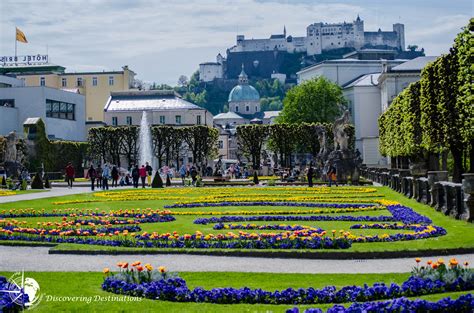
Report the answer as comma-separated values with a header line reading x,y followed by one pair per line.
x,y
161,40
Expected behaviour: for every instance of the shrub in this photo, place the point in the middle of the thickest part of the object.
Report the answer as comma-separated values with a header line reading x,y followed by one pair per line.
x,y
4,182
271,182
168,181
24,184
37,182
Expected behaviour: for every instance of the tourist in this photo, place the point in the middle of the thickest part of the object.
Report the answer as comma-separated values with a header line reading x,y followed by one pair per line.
x,y
310,175
232,171
193,173
115,176
92,174
332,174
70,173
99,176
149,172
142,173
135,176
105,177
182,172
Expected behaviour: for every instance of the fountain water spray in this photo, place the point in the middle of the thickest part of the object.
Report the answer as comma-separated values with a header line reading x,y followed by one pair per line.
x,y
146,154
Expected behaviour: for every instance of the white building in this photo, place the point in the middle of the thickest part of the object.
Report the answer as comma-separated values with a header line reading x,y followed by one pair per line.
x,y
62,112
363,95
394,79
166,107
343,71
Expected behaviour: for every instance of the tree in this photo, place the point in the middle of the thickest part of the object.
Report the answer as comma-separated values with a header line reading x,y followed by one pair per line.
x,y
282,141
182,81
251,139
314,101
162,139
202,142
128,143
98,139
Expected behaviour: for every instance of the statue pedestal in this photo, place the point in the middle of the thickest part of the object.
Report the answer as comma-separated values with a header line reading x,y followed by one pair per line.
x,y
468,189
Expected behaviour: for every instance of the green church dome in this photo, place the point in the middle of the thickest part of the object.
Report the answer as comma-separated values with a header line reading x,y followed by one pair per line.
x,y
243,91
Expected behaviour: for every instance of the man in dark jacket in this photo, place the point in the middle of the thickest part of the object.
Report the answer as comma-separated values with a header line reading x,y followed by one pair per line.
x,y
70,173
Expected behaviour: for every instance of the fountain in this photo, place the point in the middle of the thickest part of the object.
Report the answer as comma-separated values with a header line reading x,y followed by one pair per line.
x,y
146,153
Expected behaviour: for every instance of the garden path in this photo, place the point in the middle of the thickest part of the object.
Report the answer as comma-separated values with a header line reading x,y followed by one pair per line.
x,y
38,259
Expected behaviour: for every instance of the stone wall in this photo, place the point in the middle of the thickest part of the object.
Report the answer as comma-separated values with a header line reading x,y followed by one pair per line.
x,y
455,200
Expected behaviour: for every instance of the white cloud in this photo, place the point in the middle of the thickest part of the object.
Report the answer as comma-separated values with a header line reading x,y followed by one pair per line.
x,y
108,34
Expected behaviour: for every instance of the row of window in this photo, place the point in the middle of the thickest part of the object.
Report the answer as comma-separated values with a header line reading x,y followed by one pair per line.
x,y
62,110
247,109
79,81
129,120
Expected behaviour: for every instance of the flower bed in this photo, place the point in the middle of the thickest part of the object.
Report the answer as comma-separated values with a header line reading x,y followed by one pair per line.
x,y
14,293
463,304
144,282
7,193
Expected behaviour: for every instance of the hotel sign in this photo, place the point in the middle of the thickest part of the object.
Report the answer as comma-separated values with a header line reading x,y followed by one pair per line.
x,y
34,59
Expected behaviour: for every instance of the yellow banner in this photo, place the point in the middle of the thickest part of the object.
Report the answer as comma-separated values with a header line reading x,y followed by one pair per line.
x,y
20,36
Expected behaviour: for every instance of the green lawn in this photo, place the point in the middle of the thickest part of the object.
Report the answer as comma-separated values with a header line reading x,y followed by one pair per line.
x,y
86,285
460,234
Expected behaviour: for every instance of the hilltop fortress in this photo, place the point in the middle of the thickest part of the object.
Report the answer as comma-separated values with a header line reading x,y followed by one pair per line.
x,y
322,37
281,56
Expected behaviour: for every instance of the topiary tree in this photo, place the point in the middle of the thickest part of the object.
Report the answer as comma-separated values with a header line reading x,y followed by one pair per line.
x,y
4,182
47,184
37,182
157,181
168,181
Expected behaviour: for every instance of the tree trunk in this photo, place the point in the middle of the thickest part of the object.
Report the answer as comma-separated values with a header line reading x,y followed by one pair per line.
x,y
458,169
433,162
444,161
471,157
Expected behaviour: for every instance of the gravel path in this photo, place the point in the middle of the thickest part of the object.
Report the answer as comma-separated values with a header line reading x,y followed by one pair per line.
x,y
38,259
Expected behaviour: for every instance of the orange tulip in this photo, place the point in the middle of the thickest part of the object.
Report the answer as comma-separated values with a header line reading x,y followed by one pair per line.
x,y
125,265
139,268
106,270
136,263
429,262
417,260
162,269
440,261
453,262
434,266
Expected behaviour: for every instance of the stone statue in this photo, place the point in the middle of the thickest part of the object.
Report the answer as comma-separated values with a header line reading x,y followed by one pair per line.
x,y
323,145
341,139
10,147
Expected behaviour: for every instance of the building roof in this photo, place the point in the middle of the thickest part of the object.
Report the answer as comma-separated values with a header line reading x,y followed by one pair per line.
x,y
48,68
210,63
366,80
270,114
228,115
415,65
348,61
152,100
31,121
278,36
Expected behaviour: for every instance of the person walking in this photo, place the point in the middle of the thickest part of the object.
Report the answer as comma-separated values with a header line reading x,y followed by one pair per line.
x,y
135,176
193,172
70,174
115,176
149,172
182,172
99,176
332,174
142,173
91,174
310,175
105,177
